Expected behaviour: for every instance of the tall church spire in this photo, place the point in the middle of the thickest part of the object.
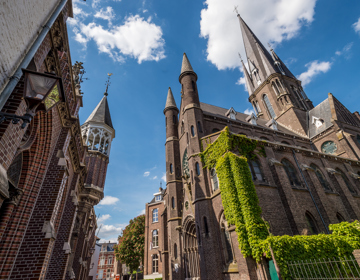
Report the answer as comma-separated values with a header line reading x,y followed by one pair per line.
x,y
248,80
186,67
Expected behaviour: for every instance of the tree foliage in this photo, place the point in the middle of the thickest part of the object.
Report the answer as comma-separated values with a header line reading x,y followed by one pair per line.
x,y
130,249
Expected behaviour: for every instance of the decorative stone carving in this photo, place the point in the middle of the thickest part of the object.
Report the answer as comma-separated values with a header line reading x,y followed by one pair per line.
x,y
67,248
306,167
49,230
331,171
273,161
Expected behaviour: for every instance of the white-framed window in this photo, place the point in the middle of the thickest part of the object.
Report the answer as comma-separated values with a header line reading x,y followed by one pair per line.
x,y
155,263
100,274
102,261
109,261
155,238
158,197
155,215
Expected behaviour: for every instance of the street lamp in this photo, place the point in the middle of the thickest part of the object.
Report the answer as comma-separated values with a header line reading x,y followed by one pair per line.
x,y
41,93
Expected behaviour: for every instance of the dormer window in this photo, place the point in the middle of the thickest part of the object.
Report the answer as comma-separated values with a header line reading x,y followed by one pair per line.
x,y
158,197
317,122
231,114
278,64
272,124
251,119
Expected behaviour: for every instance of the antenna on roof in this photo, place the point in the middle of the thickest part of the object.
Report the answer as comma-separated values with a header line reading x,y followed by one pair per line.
x,y
107,84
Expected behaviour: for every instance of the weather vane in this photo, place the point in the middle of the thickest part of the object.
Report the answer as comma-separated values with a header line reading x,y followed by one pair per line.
x,y
236,10
78,72
108,83
269,46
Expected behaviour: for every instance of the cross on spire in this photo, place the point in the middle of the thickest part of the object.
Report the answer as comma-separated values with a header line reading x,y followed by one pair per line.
x,y
107,83
240,56
236,9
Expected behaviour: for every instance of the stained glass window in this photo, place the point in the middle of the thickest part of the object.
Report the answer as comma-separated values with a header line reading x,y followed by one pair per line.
x,y
329,147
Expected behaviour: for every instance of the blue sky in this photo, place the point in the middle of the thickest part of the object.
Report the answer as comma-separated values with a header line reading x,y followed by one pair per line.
x,y
142,41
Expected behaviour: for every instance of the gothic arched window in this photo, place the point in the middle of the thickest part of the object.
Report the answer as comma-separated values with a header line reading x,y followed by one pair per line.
x,y
199,127
197,166
255,169
269,108
173,203
193,85
346,180
340,217
155,238
226,241
291,173
206,227
215,130
214,179
321,177
174,119
175,251
275,88
311,223
171,168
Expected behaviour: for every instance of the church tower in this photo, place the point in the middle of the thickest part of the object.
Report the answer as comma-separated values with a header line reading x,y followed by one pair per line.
x,y
98,133
274,91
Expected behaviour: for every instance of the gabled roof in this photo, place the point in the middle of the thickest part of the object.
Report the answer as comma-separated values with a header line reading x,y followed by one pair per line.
x,y
101,113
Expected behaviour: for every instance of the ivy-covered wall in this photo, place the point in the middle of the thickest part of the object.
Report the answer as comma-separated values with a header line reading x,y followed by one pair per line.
x,y
229,154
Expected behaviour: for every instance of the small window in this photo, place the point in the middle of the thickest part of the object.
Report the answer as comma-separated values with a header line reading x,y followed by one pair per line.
x,y
340,218
110,261
102,261
171,168
329,147
291,173
155,215
192,131
193,85
256,171
358,138
101,272
197,166
215,130
155,264
182,127
174,119
158,198
346,180
175,251
155,238
199,127
166,121
206,226
321,177
173,203
311,224
214,179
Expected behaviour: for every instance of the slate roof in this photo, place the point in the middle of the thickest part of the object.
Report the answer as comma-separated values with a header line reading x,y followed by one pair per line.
x,y
186,66
170,101
162,192
321,111
101,113
221,112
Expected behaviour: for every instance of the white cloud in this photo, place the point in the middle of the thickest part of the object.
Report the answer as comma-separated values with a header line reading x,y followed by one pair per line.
x,y
103,218
142,212
108,200
164,177
155,177
137,38
314,68
110,232
107,14
95,3
345,49
277,20
241,81
248,111
356,26
146,173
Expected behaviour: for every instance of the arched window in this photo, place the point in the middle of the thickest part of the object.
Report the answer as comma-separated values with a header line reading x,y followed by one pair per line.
x,y
340,218
215,130
269,107
182,127
206,227
174,119
171,168
311,223
279,85
214,179
321,177
291,173
155,238
165,121
173,203
346,180
155,215
226,241
192,131
155,264
275,88
255,169
199,127
193,85
197,166
175,251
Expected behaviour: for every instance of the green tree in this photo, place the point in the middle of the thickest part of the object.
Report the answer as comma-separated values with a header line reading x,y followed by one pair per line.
x,y
130,250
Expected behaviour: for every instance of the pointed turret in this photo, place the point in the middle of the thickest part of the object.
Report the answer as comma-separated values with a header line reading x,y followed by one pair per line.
x,y
186,68
101,113
170,101
248,80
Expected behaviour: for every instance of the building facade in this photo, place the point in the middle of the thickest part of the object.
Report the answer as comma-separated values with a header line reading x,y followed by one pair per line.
x,y
308,179
107,262
50,179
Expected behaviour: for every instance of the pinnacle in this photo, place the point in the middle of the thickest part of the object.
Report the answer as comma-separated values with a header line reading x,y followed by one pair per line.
x,y
186,66
170,101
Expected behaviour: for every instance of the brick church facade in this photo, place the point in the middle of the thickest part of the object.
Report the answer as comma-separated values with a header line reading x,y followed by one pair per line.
x,y
52,170
308,180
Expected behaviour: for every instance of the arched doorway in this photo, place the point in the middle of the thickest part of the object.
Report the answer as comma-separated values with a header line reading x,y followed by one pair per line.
x,y
191,253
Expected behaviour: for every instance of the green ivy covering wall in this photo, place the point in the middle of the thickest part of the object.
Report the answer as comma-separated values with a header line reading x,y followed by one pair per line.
x,y
229,155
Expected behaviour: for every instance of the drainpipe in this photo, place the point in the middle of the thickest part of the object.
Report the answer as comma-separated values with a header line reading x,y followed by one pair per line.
x,y
307,186
4,95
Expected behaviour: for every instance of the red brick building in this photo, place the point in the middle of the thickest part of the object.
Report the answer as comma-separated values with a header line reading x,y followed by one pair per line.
x,y
308,180
107,262
49,179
